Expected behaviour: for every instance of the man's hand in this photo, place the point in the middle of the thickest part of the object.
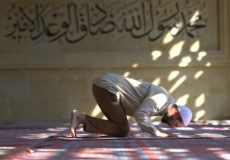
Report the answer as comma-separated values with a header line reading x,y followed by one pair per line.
x,y
162,134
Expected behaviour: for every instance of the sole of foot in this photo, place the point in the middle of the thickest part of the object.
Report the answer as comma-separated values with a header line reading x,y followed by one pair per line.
x,y
74,123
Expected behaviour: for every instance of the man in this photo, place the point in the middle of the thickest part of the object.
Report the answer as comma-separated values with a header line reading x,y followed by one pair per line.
x,y
118,96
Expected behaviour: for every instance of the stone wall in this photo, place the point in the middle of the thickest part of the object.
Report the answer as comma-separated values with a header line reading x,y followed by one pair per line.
x,y
51,50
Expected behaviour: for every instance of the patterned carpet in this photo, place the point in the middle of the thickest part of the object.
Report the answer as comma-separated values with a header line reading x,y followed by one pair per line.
x,y
206,140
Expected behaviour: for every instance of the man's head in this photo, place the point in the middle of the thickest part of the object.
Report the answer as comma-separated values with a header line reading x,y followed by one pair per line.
x,y
177,116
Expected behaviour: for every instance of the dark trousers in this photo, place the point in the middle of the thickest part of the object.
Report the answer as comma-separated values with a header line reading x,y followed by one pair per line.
x,y
117,124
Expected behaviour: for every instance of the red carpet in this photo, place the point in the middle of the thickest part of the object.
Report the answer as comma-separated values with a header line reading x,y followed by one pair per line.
x,y
37,142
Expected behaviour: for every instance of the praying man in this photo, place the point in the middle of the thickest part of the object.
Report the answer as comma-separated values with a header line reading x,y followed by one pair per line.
x,y
119,96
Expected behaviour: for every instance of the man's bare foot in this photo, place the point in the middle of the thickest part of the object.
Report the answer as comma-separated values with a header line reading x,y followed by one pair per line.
x,y
74,122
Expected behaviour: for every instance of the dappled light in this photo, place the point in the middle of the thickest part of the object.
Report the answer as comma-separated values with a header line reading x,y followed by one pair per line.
x,y
195,47
176,30
5,149
195,17
177,150
200,100
199,115
126,74
176,50
48,152
208,64
157,81
185,61
96,110
183,99
183,54
34,143
34,136
174,44
51,53
168,38
220,153
178,83
135,65
201,55
186,55
173,75
156,54
198,74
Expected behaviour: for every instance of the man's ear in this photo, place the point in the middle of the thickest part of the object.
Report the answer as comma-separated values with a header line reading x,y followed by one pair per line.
x,y
175,106
177,113
175,110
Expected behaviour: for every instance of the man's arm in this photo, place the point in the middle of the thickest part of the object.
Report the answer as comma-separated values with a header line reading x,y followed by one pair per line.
x,y
147,126
147,109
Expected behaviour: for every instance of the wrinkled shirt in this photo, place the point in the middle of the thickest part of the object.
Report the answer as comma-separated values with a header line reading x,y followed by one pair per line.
x,y
138,98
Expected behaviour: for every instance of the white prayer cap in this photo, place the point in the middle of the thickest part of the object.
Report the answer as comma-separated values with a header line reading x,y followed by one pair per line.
x,y
185,113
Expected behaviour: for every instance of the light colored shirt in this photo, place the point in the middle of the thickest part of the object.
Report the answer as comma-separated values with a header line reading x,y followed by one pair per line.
x,y
138,98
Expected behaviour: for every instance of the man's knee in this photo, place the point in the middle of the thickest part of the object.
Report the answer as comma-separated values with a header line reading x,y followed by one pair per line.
x,y
123,132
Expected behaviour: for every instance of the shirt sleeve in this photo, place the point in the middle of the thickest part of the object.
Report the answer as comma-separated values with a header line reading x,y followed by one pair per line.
x,y
149,107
